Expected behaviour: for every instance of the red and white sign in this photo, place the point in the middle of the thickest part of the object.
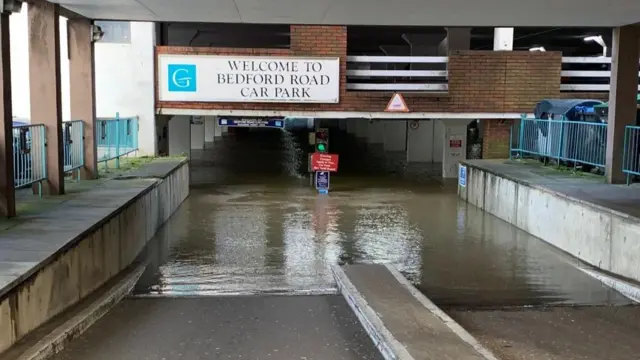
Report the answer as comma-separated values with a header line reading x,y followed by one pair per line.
x,y
397,104
455,143
324,162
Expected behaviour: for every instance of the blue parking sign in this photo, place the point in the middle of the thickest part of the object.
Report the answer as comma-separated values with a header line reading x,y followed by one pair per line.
x,y
462,176
322,180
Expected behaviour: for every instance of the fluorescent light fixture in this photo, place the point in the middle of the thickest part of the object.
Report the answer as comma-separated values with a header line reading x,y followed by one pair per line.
x,y
538,48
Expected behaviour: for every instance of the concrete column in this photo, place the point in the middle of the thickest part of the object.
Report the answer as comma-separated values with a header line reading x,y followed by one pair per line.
x,y
7,186
197,132
217,129
342,124
622,96
424,143
454,146
362,128
375,132
210,128
352,126
44,83
503,39
395,135
82,89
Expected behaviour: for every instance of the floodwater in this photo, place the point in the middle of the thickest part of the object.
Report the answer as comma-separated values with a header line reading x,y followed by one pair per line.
x,y
253,224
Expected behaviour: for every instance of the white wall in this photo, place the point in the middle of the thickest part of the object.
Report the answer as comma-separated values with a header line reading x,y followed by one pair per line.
x,y
125,82
124,76
424,144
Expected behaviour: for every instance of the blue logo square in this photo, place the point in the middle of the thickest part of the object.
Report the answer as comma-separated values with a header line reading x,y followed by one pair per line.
x,y
182,78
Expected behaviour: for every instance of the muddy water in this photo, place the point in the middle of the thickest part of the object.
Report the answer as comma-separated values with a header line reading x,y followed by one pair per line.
x,y
253,224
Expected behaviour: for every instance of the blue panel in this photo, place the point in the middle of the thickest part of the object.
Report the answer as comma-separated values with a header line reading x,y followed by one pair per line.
x,y
182,78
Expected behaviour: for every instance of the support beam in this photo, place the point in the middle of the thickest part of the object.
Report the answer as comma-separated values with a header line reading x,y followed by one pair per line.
x,y
503,39
622,97
7,190
44,83
82,89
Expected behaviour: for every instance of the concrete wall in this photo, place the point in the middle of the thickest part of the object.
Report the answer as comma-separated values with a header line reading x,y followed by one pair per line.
x,y
180,135
592,234
96,256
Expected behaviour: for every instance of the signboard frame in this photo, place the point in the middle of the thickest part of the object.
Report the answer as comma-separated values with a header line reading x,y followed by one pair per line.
x,y
462,175
276,123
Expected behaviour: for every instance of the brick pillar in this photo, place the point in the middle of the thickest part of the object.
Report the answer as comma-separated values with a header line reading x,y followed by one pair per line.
x,y
44,83
495,142
7,190
326,41
82,89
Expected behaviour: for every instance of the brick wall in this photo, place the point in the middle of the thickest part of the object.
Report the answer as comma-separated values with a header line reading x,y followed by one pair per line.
x,y
495,142
479,81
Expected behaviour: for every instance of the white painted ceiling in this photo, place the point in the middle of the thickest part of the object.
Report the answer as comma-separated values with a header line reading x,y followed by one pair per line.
x,y
556,13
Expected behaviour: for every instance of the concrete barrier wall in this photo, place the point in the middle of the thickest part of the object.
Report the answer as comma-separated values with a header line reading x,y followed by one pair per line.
x,y
607,240
97,256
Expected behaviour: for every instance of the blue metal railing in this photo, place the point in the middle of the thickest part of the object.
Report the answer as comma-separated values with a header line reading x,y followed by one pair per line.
x,y
631,155
29,155
73,145
116,137
565,141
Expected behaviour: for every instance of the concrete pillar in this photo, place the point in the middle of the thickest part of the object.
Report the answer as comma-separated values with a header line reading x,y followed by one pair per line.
x,y
352,126
180,135
395,135
454,146
503,39
622,97
342,124
217,129
375,132
82,89
7,186
457,39
210,128
197,132
44,83
362,128
424,142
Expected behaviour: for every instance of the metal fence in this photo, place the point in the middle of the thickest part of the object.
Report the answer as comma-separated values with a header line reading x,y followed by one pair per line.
x,y
29,155
574,142
116,138
73,145
631,157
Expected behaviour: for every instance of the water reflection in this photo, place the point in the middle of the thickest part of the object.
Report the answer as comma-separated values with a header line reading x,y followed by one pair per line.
x,y
275,234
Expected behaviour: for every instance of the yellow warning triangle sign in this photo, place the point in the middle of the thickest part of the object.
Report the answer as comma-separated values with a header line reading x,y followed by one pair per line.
x,y
397,104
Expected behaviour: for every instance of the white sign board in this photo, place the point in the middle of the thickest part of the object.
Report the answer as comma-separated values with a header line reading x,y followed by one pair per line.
x,y
212,78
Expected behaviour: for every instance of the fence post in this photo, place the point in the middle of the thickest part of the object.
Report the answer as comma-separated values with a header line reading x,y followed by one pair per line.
x,y
624,154
43,154
561,145
523,122
117,140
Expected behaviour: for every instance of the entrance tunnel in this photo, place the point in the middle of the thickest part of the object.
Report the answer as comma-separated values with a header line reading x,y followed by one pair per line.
x,y
254,226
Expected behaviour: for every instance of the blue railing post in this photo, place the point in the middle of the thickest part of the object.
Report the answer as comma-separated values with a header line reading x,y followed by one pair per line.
x,y
523,123
561,144
117,140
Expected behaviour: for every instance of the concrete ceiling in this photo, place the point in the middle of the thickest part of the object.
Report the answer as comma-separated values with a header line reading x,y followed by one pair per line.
x,y
556,13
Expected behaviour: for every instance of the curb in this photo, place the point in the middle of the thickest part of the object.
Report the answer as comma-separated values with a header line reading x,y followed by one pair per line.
x,y
446,319
627,289
389,347
55,341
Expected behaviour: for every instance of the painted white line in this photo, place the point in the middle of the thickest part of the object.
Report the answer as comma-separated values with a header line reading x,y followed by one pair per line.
x,y
55,341
389,347
625,288
434,309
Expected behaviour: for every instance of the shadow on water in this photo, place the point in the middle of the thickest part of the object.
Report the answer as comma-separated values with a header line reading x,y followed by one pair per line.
x,y
253,224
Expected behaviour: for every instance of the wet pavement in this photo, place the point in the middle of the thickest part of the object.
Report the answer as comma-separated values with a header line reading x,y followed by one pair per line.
x,y
256,327
253,225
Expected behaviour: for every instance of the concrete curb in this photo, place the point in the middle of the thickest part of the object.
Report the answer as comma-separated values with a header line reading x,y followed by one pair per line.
x,y
627,289
389,347
55,341
446,319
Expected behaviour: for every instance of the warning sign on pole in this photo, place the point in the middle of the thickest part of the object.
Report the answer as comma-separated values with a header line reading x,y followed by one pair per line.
x,y
397,104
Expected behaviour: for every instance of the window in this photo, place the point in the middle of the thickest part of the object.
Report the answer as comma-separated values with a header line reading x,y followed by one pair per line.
x,y
118,32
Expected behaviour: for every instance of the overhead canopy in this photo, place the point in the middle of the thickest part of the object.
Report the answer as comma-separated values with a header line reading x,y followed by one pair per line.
x,y
566,108
491,13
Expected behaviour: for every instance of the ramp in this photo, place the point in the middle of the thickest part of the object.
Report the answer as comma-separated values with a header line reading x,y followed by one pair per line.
x,y
402,322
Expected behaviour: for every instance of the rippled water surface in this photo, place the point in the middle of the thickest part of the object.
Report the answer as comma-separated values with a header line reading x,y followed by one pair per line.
x,y
253,224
